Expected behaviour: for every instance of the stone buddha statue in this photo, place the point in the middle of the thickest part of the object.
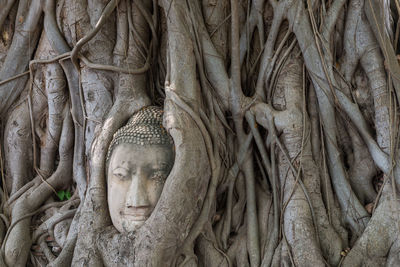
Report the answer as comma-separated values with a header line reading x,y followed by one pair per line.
x,y
139,159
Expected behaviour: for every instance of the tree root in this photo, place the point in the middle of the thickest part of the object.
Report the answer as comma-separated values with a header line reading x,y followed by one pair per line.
x,y
374,246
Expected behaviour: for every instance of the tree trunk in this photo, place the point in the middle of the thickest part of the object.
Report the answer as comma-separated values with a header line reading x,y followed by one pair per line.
x,y
283,115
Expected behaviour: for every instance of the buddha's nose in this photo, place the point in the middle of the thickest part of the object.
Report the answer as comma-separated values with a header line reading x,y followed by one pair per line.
x,y
137,193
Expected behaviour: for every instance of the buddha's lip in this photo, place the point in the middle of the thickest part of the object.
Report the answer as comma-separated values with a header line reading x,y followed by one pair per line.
x,y
138,216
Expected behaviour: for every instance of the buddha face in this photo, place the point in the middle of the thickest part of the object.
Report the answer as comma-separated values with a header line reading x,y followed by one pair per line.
x,y
136,176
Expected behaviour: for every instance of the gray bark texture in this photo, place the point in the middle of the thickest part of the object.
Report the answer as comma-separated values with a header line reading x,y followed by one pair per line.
x,y
284,116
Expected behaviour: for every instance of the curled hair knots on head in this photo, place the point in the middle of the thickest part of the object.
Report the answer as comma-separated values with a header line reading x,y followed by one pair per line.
x,y
143,128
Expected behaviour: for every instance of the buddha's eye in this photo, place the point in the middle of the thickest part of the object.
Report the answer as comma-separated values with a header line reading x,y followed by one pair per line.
x,y
121,173
120,176
158,176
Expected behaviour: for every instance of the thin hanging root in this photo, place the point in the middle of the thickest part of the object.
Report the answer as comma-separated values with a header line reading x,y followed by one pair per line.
x,y
273,244
146,14
41,209
15,61
252,20
76,96
55,59
96,66
45,249
21,191
14,77
33,133
236,105
215,169
17,146
96,196
56,99
29,203
232,174
4,11
4,191
103,18
377,23
132,29
49,224
356,215
374,245
268,61
222,256
220,25
274,184
300,182
65,258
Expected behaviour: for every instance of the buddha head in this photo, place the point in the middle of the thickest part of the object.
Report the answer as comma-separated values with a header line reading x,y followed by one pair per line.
x,y
139,159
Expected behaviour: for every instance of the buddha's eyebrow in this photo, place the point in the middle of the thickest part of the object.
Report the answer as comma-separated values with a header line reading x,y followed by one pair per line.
x,y
125,164
161,165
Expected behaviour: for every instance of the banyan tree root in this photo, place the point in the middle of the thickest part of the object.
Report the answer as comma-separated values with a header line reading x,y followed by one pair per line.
x,y
377,244
283,115
300,201
17,242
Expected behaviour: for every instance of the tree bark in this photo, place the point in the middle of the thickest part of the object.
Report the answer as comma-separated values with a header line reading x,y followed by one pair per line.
x,y
283,115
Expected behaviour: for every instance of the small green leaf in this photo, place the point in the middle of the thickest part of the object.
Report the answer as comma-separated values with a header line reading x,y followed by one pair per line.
x,y
61,195
68,194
